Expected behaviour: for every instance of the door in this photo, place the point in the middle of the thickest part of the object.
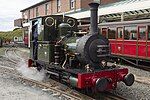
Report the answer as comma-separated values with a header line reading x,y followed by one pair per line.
x,y
130,41
119,42
35,40
111,35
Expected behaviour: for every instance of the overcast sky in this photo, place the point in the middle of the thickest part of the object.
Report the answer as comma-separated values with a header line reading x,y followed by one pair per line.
x,y
10,10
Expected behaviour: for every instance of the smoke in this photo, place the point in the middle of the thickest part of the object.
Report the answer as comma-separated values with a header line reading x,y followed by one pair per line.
x,y
31,72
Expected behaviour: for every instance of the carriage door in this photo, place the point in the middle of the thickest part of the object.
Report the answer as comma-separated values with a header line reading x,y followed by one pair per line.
x,y
141,42
119,40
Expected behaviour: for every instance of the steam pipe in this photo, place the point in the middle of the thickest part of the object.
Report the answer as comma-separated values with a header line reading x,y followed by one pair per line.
x,y
94,18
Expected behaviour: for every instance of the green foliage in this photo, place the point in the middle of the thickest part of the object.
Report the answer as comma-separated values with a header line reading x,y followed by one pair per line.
x,y
8,36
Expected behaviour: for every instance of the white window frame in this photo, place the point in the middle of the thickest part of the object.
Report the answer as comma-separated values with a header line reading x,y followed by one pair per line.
x,y
58,5
46,8
72,4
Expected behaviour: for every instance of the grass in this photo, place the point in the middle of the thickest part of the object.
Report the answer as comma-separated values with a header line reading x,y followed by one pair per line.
x,y
11,34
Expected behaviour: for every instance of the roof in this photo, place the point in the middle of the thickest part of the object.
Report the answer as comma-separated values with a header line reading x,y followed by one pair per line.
x,y
145,21
37,4
118,7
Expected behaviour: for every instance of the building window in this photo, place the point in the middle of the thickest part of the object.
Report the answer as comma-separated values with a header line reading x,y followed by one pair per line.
x,y
46,9
28,14
33,12
37,11
58,6
72,4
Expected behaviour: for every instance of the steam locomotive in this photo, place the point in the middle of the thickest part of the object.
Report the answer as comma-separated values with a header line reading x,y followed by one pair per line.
x,y
78,60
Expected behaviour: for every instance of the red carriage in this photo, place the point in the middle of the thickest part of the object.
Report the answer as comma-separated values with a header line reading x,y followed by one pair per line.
x,y
129,40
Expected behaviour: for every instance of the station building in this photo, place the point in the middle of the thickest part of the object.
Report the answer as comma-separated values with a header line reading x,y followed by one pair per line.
x,y
56,7
51,7
109,10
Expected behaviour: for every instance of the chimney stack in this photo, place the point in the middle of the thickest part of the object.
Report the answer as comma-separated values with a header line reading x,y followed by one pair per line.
x,y
94,18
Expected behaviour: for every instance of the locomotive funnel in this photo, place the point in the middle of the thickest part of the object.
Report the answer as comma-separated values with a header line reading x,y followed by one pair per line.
x,y
94,18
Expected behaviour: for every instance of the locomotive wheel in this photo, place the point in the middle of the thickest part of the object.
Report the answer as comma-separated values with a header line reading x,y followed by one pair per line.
x,y
129,79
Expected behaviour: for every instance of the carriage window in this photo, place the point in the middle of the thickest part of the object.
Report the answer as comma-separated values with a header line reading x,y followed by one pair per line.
x,y
111,33
142,33
120,32
127,33
130,33
148,32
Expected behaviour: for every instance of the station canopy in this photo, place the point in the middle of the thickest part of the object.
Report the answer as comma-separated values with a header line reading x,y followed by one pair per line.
x,y
128,7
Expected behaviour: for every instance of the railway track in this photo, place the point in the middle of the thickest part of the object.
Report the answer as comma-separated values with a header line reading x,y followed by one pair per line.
x,y
108,96
11,55
63,93
66,93
111,96
143,80
55,88
146,68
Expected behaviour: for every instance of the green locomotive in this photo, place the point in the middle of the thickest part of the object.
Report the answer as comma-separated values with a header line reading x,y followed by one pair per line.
x,y
78,60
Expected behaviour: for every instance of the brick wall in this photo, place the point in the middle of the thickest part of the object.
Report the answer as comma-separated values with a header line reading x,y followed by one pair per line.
x,y
104,2
32,13
65,7
41,10
54,6
84,4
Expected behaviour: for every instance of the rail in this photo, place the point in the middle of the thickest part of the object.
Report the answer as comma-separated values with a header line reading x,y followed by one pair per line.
x,y
68,93
47,86
147,68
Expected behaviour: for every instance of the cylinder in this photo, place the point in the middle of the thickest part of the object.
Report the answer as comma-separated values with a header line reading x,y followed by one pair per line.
x,y
73,81
94,18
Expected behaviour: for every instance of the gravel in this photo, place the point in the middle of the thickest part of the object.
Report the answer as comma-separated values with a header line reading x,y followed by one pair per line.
x,y
12,89
137,91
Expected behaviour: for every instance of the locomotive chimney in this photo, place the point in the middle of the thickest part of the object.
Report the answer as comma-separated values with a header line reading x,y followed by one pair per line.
x,y
94,18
